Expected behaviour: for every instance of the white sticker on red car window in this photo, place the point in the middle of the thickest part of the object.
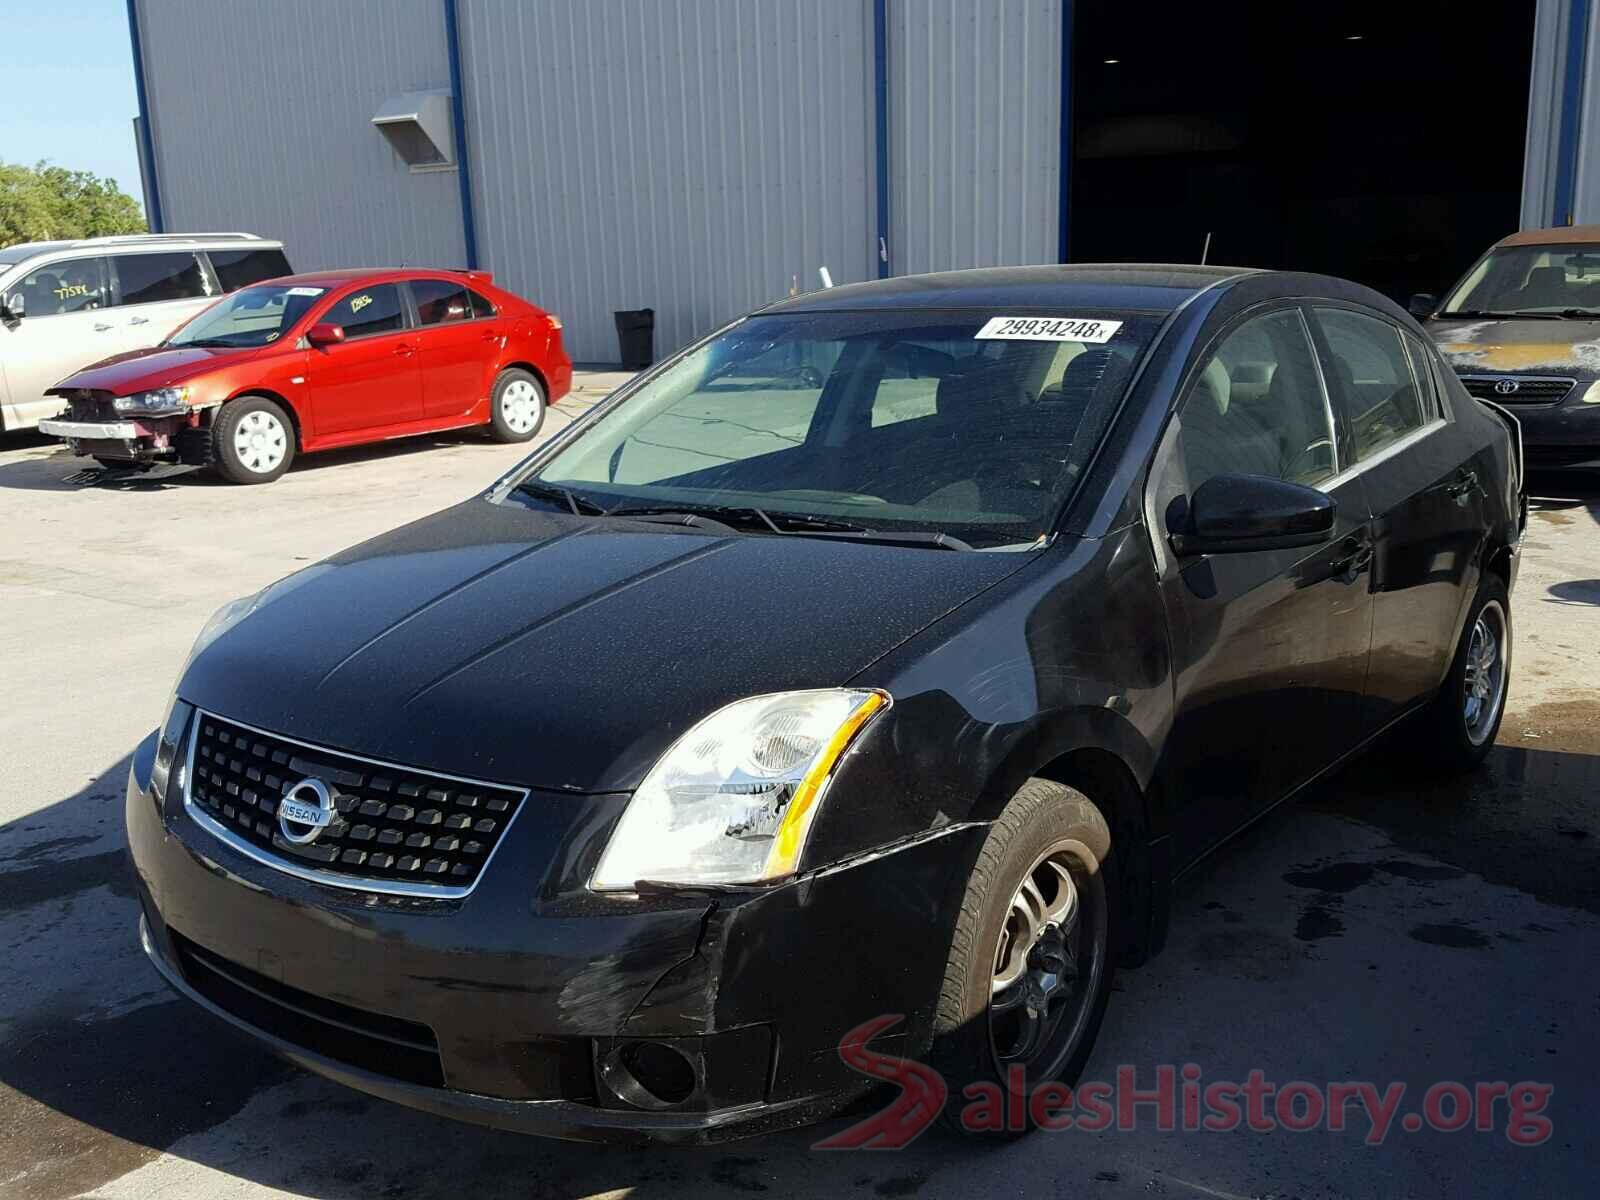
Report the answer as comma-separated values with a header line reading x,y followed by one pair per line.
x,y
1049,329
359,303
306,291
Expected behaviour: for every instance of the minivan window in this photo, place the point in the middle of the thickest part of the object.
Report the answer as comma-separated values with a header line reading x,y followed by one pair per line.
x,y
1371,374
151,278
786,414
1538,280
240,268
64,286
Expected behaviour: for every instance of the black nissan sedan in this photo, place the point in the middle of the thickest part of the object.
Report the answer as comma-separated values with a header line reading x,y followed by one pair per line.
x,y
867,670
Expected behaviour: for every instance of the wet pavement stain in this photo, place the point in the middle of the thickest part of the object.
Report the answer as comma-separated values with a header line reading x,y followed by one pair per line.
x,y
1454,936
55,880
1317,922
1337,878
100,1099
901,1185
1420,872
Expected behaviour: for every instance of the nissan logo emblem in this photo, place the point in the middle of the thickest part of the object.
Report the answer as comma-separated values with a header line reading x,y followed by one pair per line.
x,y
305,811
1505,387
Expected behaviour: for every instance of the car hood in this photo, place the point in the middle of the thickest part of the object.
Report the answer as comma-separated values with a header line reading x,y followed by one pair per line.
x,y
1515,346
155,367
544,650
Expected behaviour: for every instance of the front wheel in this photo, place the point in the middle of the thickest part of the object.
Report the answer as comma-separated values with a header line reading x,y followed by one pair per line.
x,y
1465,716
516,406
1030,968
252,440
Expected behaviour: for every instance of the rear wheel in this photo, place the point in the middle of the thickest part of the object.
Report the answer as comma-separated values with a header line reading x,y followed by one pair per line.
x,y
1030,966
516,406
252,440
1465,716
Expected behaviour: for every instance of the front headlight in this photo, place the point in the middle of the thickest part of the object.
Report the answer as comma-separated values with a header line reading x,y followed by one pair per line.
x,y
1592,394
734,798
152,403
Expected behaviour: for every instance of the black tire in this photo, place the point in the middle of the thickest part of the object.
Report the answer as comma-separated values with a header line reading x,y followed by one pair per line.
x,y
1460,742
509,401
275,452
1043,824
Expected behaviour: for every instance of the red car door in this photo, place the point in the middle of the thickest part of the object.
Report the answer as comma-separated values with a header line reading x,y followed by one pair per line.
x,y
457,346
371,380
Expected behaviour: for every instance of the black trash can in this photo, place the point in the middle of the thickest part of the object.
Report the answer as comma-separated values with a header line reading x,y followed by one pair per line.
x,y
636,337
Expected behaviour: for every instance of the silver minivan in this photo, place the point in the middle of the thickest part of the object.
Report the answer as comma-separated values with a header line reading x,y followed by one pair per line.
x,y
64,305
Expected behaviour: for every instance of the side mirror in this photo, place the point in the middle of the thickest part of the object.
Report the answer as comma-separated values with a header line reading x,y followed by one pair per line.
x,y
1233,513
13,308
323,334
1422,305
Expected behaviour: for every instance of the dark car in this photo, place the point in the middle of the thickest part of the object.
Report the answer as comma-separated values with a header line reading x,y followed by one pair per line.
x,y
1522,329
885,654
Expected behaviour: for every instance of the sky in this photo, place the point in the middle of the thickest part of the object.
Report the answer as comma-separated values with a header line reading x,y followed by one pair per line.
x,y
69,95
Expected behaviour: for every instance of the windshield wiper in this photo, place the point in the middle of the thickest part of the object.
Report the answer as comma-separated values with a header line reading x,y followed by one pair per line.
x,y
787,524
218,343
580,505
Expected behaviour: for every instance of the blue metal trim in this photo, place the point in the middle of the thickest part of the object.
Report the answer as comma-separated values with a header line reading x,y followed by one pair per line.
x,y
147,138
1565,198
880,91
1069,13
458,112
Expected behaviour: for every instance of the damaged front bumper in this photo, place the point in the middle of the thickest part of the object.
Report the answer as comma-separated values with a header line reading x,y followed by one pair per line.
x,y
93,427
687,1017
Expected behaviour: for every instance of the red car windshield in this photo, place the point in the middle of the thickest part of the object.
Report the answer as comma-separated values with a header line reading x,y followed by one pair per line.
x,y
253,316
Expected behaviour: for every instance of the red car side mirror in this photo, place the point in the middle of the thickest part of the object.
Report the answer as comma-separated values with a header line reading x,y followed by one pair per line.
x,y
324,334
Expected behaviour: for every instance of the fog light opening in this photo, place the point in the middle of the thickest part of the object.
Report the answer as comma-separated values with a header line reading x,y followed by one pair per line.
x,y
650,1074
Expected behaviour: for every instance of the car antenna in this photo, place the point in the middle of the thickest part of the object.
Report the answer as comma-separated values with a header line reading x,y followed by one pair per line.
x,y
827,280
1205,251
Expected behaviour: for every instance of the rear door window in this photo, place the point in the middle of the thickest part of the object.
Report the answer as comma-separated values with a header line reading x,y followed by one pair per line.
x,y
152,278
481,305
64,286
1369,372
240,268
441,301
369,312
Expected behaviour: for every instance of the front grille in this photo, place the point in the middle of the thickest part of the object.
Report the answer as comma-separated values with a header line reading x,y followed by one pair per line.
x,y
395,829
1528,389
371,1041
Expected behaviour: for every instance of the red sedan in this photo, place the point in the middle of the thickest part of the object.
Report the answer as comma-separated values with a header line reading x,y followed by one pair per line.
x,y
311,362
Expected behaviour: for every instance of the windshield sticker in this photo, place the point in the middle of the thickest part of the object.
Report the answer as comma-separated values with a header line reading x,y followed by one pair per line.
x,y
305,291
1050,329
71,290
359,303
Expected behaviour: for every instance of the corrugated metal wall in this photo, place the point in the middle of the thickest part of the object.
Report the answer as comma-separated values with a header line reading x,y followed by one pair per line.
x,y
261,115
975,133
691,156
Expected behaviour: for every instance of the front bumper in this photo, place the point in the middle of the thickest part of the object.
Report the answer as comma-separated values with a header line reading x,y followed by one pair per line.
x,y
529,999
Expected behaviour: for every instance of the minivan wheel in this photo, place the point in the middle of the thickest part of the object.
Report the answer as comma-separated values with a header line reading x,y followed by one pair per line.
x,y
516,406
1465,716
1030,967
252,440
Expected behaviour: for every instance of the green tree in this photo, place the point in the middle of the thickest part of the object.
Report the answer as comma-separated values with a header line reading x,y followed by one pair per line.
x,y
43,202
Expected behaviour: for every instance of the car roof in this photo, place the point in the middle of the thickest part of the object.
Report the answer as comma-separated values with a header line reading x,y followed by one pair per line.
x,y
21,252
344,275
1157,287
1562,235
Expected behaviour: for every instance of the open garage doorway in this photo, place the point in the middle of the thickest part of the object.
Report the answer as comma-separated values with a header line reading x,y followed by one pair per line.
x,y
1378,141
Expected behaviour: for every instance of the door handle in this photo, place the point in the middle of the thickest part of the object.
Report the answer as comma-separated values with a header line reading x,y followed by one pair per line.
x,y
1357,556
1463,485
403,351
138,320
99,328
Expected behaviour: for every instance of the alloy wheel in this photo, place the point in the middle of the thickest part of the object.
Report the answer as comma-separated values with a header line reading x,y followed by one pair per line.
x,y
1484,683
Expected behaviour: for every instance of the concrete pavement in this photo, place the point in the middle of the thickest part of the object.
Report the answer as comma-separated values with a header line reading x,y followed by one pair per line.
x,y
1389,927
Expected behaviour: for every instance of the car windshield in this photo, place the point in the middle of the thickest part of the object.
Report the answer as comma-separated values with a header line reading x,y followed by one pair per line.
x,y
253,316
1539,281
966,429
